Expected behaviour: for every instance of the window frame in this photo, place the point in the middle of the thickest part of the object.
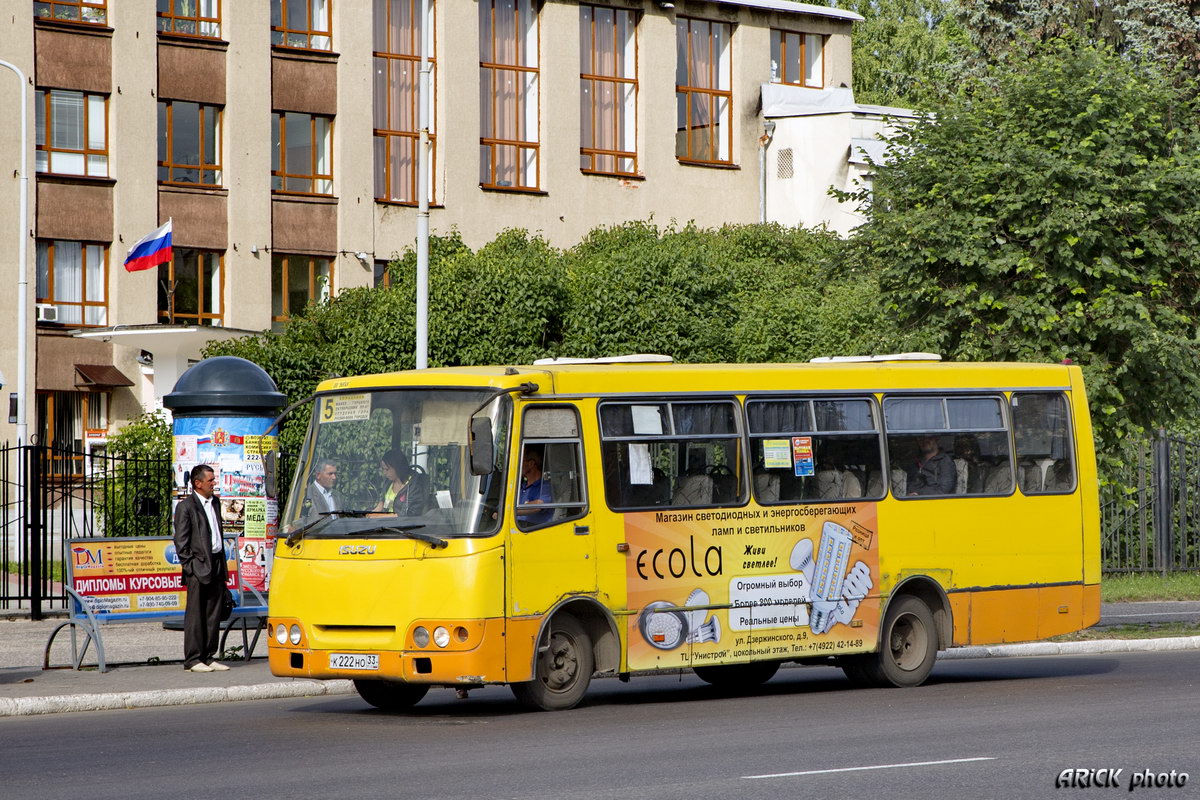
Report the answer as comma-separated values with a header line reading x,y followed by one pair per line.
x,y
595,78
1006,429
209,318
489,71
737,436
1068,445
43,106
173,21
83,304
387,137
282,170
100,6
686,91
308,33
876,418
64,460
803,37
171,165
314,295
582,504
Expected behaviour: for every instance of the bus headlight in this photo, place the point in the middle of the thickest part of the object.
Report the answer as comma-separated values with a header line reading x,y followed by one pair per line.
x,y
295,634
441,636
421,637
281,633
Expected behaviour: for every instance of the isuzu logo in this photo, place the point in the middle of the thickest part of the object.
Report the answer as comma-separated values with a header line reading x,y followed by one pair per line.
x,y
356,549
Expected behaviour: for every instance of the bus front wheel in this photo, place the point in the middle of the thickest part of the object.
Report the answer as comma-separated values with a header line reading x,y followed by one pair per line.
x,y
390,696
907,649
738,676
564,668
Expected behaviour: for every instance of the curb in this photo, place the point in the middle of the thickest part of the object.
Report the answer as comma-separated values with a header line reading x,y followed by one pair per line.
x,y
1073,648
30,706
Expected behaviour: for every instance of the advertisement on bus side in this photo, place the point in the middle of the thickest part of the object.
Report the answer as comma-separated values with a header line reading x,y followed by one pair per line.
x,y
715,586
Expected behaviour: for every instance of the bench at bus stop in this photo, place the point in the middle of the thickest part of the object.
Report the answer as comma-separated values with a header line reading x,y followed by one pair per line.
x,y
250,609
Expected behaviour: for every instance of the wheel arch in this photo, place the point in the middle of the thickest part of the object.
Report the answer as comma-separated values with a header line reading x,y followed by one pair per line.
x,y
931,593
596,620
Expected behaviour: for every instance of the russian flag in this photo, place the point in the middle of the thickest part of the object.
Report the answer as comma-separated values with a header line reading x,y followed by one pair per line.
x,y
150,251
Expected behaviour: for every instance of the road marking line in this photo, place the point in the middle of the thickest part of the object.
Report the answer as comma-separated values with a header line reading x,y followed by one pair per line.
x,y
877,766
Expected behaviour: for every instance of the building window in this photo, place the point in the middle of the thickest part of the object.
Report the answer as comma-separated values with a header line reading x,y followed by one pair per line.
x,y
397,69
296,281
383,275
190,17
508,94
72,133
798,59
93,12
301,23
189,143
63,420
607,91
704,91
190,288
302,153
73,277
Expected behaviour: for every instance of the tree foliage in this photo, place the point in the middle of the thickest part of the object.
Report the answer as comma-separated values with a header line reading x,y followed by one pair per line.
x,y
136,486
1052,210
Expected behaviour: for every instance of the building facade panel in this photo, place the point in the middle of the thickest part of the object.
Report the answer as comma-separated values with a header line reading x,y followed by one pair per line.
x,y
304,226
192,71
200,217
78,58
303,82
74,210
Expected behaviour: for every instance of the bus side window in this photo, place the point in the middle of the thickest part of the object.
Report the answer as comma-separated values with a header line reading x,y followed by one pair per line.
x,y
551,488
1042,431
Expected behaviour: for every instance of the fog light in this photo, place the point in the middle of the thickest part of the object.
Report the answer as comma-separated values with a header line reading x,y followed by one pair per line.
x,y
295,634
281,633
421,637
460,633
441,636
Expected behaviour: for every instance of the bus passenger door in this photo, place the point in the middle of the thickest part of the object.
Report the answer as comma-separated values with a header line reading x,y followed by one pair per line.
x,y
552,547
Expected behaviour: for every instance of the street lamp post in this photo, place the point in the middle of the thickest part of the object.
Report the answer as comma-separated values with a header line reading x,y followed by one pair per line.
x,y
22,267
423,184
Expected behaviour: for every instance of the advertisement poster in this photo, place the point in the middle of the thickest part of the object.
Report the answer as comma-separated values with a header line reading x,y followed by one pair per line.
x,y
234,447
721,585
132,575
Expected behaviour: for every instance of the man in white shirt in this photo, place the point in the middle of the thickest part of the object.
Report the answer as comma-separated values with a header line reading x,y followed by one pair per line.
x,y
321,491
201,552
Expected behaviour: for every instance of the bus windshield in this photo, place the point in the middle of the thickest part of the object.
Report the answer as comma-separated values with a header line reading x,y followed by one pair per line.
x,y
396,463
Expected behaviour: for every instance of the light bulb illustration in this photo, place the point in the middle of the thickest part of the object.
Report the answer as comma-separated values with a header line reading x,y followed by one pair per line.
x,y
833,556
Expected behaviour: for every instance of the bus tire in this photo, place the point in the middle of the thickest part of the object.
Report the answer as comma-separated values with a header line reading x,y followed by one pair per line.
x,y
908,646
563,670
389,695
738,676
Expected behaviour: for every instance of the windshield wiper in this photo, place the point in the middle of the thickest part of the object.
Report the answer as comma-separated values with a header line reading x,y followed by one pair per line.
x,y
410,532
298,534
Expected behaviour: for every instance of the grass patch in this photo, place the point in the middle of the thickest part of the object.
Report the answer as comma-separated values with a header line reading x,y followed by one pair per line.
x,y
56,570
1146,631
1132,588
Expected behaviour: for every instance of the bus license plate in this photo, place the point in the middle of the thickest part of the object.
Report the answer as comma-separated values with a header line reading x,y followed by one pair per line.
x,y
365,661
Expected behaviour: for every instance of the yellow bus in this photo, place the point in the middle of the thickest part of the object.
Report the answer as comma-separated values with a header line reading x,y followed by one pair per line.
x,y
541,525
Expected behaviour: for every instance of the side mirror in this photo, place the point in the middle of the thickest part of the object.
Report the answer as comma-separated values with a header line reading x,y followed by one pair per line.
x,y
483,451
271,472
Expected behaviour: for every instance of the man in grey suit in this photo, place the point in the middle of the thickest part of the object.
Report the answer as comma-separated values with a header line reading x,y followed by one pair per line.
x,y
201,552
321,491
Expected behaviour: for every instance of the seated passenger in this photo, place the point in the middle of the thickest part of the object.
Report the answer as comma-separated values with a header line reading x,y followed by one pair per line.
x,y
406,491
971,473
535,489
932,473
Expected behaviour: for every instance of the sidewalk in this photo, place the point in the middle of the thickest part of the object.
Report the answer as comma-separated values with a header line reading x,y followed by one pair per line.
x,y
146,669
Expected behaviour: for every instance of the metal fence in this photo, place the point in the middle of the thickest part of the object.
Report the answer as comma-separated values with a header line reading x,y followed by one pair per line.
x,y
1150,507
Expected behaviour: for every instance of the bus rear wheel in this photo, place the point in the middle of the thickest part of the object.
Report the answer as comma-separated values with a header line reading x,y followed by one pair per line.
x,y
907,650
390,696
563,671
738,676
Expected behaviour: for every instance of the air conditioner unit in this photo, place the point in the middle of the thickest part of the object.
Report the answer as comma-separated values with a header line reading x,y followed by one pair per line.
x,y
47,312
